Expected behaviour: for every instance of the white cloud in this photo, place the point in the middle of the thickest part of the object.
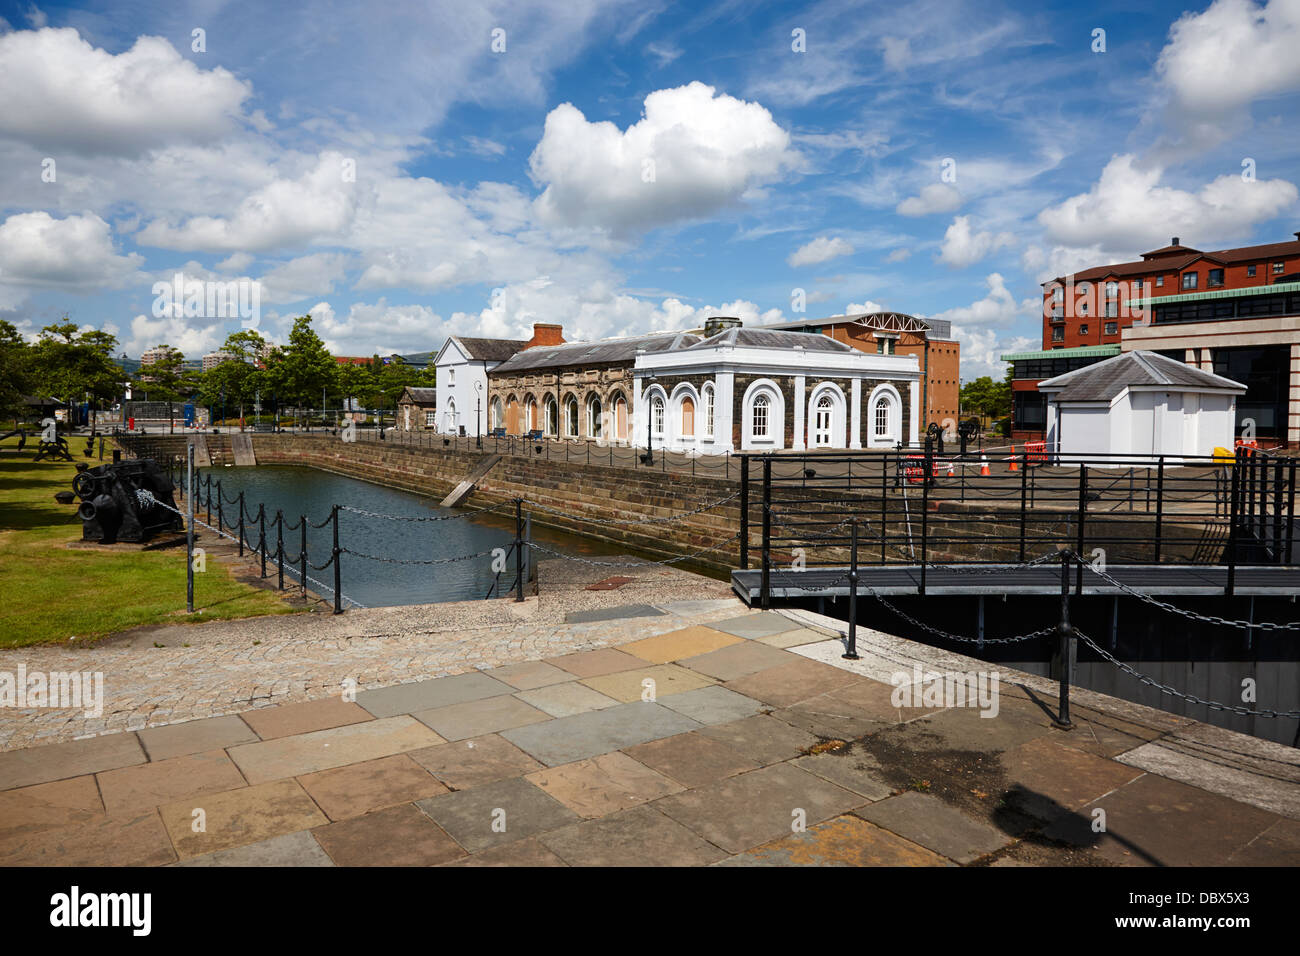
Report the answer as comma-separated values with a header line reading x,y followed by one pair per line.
x,y
820,249
702,150
863,308
936,197
39,251
962,246
998,308
898,255
1127,209
62,93
185,334
983,328
304,277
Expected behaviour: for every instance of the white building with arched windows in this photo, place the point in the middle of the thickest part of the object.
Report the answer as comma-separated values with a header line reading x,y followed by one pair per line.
x,y
766,390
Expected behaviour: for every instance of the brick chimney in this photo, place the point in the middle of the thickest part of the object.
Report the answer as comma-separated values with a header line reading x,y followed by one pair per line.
x,y
545,333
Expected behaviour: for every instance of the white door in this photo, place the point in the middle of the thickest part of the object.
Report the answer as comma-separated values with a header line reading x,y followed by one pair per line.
x,y
822,427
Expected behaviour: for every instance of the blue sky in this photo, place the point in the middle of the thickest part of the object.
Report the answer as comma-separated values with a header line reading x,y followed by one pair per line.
x,y
621,167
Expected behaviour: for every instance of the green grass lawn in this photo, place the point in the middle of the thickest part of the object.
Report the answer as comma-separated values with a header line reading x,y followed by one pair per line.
x,y
49,592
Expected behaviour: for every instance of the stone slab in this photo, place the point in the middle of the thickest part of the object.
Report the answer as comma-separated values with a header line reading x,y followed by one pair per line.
x,y
738,660
396,836
23,768
754,626
326,749
619,613
787,684
1279,845
43,806
931,823
153,784
478,717
240,817
289,719
1049,778
371,785
528,852
473,763
497,813
1217,773
292,849
195,736
604,784
693,760
793,638
844,841
531,674
565,700
134,839
757,807
569,739
641,836
627,686
763,739
428,694
713,705
851,767
687,642
604,660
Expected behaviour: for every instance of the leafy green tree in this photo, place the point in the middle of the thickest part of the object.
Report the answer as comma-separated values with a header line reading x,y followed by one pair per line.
x,y
395,377
166,379
67,363
986,397
237,381
298,372
359,382
15,370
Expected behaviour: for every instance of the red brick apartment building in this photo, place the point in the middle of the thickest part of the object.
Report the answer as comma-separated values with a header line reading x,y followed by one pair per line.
x,y
1235,312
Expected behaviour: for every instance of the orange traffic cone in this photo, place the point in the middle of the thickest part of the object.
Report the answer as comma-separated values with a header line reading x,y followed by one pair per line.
x,y
950,469
1012,466
984,465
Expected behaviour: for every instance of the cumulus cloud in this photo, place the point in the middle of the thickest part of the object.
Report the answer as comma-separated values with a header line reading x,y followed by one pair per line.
x,y
863,308
1128,209
998,308
820,249
39,251
984,328
60,92
693,152
936,197
963,246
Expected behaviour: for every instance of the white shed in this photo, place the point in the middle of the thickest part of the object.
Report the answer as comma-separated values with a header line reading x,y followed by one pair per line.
x,y
1140,403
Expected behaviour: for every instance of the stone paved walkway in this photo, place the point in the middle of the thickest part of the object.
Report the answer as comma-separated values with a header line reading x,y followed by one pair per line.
x,y
745,740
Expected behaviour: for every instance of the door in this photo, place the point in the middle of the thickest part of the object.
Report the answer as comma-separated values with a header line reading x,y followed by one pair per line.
x,y
822,422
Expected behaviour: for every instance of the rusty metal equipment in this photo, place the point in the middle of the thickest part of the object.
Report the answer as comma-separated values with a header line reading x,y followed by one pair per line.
x,y
126,501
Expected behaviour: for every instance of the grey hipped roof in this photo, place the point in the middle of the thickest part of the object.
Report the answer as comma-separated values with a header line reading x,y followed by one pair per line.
x,y
1103,381
489,350
600,352
420,396
743,338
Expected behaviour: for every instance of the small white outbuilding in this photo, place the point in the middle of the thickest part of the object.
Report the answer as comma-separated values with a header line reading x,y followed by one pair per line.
x,y
1140,403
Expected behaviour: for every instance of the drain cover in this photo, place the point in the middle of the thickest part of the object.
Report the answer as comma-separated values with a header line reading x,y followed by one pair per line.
x,y
609,584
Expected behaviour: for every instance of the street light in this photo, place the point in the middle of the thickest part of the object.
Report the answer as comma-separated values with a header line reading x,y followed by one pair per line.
x,y
649,456
478,416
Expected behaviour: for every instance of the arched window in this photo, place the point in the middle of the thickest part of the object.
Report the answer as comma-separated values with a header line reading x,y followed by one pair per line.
x,y
620,418
881,418
549,412
594,429
708,411
451,415
498,418
532,414
688,417
824,421
657,416
571,417
762,404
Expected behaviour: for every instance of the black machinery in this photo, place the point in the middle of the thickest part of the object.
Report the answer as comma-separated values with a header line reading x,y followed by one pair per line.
x,y
126,501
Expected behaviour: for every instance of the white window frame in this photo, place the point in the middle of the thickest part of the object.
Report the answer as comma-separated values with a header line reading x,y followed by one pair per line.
x,y
884,393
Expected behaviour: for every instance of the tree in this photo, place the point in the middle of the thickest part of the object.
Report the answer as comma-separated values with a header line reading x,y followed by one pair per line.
x,y
299,372
15,370
68,363
987,397
359,382
396,376
237,380
166,379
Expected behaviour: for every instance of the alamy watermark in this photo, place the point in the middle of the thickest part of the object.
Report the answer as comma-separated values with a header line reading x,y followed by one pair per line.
x,y
919,688
70,690
209,299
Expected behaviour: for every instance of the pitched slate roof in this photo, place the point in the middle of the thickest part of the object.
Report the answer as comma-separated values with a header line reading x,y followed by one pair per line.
x,y
489,350
743,338
420,396
1107,379
600,352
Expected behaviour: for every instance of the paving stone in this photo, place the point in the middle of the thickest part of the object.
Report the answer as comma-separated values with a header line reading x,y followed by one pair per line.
x,y
195,736
1154,821
397,836
531,674
604,784
787,684
475,817
793,638
479,717
713,705
371,785
289,719
753,808
164,781
47,805
473,763
930,822
1279,845
133,839
754,626
23,768
326,749
427,694
529,852
565,700
851,767
641,836
738,660
762,738
1050,779
843,841
691,759
824,716
870,699
240,817
612,613
628,686
1229,774
688,642
606,660
962,728
568,739
292,849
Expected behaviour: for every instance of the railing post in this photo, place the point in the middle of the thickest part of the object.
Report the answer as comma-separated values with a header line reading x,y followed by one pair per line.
x,y
209,484
519,549
884,504
189,532
1083,510
852,653
302,552
766,588
338,576
1234,494
241,524
220,509
744,513
925,518
261,535
1066,634
1024,492
279,544
1160,503
1290,514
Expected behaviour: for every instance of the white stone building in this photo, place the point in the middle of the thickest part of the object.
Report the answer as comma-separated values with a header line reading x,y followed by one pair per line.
x,y
462,367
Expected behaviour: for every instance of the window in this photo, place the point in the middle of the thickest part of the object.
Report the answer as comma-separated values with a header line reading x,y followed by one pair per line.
x,y
1112,310
430,419
1058,334
1083,308
531,414
688,417
708,411
498,419
1160,280
1189,280
571,417
1112,328
657,416
887,346
1112,289
1083,329
1058,294
1084,288
451,376
594,429
1250,271
1214,279
548,410
1279,268
880,419
1138,285
761,404
1058,315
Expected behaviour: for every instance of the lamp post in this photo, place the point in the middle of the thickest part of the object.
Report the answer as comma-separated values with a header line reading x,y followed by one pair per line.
x,y
478,416
649,456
